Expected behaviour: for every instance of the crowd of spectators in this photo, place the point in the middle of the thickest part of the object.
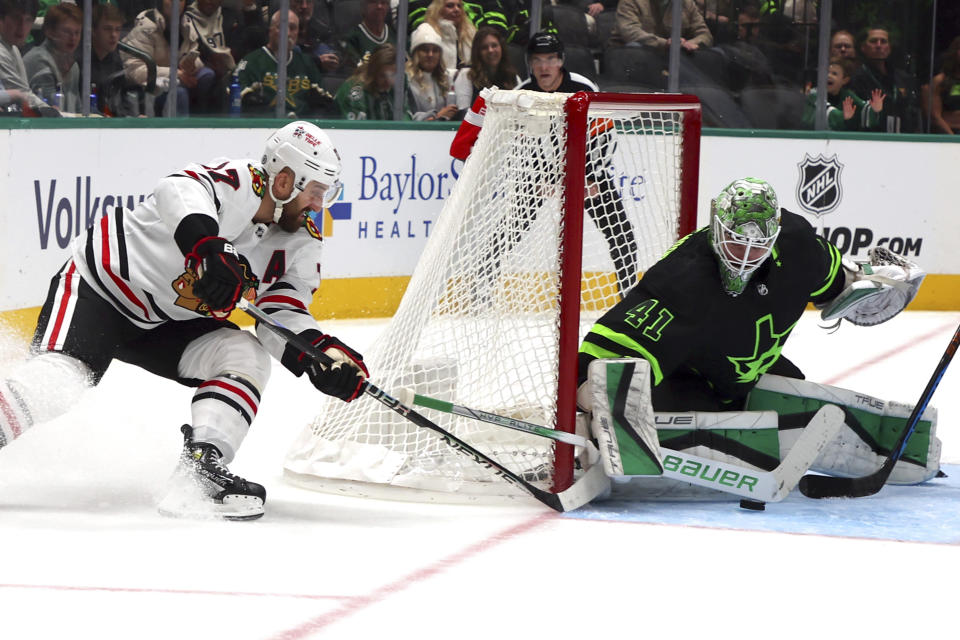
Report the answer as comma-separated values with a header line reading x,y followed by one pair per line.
x,y
751,62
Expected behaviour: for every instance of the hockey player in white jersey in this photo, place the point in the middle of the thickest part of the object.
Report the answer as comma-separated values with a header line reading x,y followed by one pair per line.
x,y
153,286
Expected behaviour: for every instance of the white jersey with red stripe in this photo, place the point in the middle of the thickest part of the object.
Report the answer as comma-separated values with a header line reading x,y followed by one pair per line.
x,y
132,260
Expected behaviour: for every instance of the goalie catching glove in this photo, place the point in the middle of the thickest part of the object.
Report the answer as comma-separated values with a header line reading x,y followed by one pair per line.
x,y
343,379
876,290
223,275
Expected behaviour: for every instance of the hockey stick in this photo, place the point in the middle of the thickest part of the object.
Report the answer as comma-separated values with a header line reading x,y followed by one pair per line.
x,y
407,396
814,486
585,489
763,486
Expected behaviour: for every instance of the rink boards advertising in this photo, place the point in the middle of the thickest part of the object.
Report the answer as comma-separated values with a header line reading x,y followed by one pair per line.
x,y
857,192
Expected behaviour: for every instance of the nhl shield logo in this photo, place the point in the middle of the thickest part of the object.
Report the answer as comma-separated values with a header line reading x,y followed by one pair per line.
x,y
819,190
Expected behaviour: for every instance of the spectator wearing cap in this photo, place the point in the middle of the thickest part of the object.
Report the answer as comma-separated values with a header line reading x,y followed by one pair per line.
x,y
427,78
545,60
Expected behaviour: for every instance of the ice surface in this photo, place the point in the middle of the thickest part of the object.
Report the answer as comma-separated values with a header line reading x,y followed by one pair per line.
x,y
83,553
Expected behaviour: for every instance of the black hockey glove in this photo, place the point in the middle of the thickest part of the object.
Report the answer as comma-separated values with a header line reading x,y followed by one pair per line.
x,y
343,379
340,380
222,274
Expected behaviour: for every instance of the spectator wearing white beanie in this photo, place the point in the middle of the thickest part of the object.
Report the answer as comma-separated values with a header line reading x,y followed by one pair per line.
x,y
427,76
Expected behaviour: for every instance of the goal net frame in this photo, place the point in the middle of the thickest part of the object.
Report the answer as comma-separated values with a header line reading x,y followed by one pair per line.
x,y
330,456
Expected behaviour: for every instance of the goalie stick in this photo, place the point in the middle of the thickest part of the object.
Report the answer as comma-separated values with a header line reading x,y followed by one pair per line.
x,y
765,486
814,486
586,488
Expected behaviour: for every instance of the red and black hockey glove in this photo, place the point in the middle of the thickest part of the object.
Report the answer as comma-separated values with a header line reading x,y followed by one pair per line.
x,y
343,379
222,274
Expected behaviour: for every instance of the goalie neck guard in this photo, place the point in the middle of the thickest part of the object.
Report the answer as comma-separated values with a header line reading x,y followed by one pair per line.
x,y
306,150
744,225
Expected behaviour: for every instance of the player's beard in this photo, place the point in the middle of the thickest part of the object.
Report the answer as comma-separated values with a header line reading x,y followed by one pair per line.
x,y
292,218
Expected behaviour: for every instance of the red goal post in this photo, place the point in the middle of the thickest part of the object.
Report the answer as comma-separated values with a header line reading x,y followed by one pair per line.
x,y
509,281
577,110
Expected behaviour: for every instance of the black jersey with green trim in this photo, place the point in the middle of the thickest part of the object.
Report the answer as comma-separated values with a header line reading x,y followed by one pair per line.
x,y
680,319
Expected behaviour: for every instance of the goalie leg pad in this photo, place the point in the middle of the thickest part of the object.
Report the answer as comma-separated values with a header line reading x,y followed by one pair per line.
x,y
871,428
743,438
622,417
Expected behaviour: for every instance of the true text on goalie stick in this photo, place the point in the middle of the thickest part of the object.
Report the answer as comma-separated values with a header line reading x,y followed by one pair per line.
x,y
585,489
814,486
766,486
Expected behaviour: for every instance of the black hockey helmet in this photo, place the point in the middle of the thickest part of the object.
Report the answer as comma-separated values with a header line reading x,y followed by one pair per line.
x,y
545,42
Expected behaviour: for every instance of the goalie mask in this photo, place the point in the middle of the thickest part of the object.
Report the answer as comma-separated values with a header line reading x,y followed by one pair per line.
x,y
744,225
307,151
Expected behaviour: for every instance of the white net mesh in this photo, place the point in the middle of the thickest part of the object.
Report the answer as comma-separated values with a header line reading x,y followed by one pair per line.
x,y
479,322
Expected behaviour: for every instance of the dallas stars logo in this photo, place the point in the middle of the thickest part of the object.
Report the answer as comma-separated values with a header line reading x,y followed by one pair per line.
x,y
751,367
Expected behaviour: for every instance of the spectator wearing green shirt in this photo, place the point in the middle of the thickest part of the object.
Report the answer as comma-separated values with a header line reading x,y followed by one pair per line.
x,y
257,74
845,110
368,93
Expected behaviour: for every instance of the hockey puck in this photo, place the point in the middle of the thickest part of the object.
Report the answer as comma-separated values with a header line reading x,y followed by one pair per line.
x,y
752,505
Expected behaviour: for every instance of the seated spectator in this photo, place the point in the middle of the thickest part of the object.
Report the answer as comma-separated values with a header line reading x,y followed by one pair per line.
x,y
151,35
901,111
427,78
489,66
845,110
372,32
16,18
316,37
945,93
843,45
244,26
257,73
107,78
448,19
368,93
52,67
648,23
206,18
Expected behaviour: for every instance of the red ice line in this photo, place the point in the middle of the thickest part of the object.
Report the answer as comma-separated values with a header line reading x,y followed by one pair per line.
x,y
891,352
353,605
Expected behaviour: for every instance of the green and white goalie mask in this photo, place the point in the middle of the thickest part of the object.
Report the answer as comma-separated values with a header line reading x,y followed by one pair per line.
x,y
744,225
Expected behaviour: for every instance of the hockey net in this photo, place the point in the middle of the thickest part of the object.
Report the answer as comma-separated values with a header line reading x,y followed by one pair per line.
x,y
511,278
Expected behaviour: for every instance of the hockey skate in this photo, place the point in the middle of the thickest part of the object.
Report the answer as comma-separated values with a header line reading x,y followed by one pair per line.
x,y
203,487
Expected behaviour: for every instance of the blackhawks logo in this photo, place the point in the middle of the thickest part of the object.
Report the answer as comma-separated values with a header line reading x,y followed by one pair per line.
x,y
311,227
258,180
